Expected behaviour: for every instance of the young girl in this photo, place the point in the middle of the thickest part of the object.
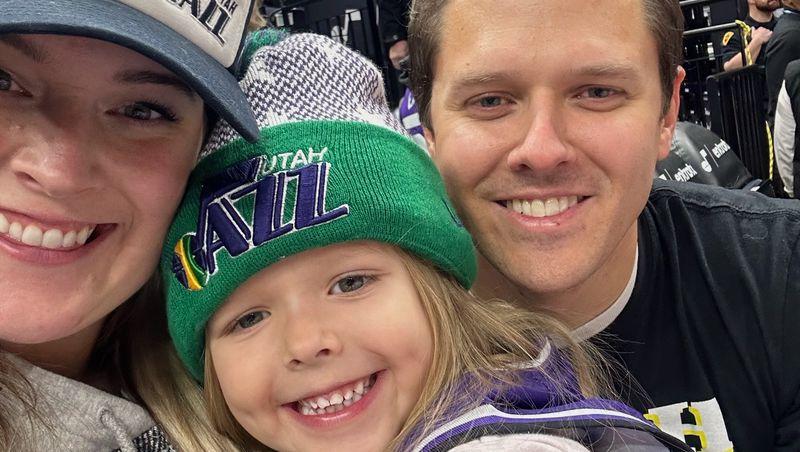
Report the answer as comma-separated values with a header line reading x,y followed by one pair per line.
x,y
317,287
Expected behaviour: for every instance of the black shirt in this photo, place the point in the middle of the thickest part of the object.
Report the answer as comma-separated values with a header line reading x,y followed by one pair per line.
x,y
782,48
712,329
732,40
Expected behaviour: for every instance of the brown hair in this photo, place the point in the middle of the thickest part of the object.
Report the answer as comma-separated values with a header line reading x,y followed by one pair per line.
x,y
487,340
663,17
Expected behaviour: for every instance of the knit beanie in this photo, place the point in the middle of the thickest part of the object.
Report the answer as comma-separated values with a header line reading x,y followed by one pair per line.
x,y
332,165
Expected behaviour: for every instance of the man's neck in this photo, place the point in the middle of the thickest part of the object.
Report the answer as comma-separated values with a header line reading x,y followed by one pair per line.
x,y
573,306
760,16
68,356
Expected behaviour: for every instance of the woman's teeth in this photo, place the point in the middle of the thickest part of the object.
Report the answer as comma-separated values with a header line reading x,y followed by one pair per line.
x,y
336,400
53,239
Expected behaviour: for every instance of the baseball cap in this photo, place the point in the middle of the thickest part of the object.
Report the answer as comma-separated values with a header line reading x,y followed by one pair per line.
x,y
199,40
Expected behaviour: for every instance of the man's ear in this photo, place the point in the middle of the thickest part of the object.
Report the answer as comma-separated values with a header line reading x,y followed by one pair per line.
x,y
670,118
430,140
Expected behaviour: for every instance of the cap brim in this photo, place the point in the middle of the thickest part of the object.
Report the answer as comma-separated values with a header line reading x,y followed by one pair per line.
x,y
114,22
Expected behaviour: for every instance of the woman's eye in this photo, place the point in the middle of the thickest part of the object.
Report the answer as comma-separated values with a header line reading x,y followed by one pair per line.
x,y
7,83
250,319
146,111
350,284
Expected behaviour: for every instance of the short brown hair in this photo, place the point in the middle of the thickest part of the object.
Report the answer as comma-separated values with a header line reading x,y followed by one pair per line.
x,y
664,19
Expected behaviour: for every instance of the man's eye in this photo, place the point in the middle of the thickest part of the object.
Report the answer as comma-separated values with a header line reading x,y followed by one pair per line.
x,y
350,284
146,111
598,93
490,101
250,319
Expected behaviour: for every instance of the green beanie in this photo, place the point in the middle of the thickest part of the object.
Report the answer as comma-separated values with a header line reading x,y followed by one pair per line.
x,y
332,165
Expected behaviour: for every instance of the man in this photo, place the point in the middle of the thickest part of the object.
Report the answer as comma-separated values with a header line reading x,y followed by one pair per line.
x,y
787,134
783,47
761,20
548,146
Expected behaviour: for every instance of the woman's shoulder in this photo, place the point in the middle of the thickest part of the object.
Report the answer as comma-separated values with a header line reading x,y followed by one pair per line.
x,y
72,415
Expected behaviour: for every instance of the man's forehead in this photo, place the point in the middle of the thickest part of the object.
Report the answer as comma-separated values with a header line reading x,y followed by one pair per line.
x,y
479,13
483,34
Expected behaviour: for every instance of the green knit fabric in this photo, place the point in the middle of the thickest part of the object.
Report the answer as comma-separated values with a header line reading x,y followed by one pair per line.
x,y
389,187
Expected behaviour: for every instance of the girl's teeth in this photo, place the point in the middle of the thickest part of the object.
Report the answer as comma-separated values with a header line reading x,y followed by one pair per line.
x,y
336,401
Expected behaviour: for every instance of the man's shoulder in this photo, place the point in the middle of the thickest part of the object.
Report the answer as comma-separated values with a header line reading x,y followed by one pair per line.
x,y
705,201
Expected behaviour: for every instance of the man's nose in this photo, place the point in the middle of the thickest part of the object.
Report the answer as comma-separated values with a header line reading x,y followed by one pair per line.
x,y
543,148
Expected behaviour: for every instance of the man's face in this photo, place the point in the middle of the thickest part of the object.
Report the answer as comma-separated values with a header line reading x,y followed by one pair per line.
x,y
766,5
547,126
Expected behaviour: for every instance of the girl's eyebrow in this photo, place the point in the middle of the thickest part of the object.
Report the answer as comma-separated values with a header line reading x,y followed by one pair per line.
x,y
25,47
156,78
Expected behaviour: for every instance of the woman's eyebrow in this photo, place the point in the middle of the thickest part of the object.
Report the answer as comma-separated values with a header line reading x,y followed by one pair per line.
x,y
25,47
155,78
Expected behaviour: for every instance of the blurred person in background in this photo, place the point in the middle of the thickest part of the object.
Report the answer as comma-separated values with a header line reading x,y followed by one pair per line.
x,y
783,48
787,133
761,21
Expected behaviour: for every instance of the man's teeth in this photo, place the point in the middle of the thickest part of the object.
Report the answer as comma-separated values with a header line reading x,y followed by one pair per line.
x,y
53,239
336,400
540,208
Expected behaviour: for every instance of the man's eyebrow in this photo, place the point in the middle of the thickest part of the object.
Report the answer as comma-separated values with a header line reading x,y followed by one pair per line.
x,y
471,80
155,78
623,71
24,46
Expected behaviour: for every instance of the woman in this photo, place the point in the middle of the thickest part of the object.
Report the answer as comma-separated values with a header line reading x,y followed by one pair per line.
x,y
103,108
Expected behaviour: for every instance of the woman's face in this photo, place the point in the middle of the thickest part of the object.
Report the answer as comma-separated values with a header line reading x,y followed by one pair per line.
x,y
327,349
96,144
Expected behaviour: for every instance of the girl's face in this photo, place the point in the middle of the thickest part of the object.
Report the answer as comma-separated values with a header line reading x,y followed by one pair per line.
x,y
96,144
326,350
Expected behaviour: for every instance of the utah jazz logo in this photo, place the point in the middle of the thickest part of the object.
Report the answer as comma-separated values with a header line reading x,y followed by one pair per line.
x,y
266,197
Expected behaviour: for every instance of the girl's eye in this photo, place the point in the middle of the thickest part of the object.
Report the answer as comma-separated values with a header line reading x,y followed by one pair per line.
x,y
7,83
146,111
350,284
250,320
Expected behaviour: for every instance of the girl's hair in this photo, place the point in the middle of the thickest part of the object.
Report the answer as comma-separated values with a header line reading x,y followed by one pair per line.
x,y
158,380
486,340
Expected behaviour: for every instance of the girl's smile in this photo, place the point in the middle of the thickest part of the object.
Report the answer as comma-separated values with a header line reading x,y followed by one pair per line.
x,y
338,407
